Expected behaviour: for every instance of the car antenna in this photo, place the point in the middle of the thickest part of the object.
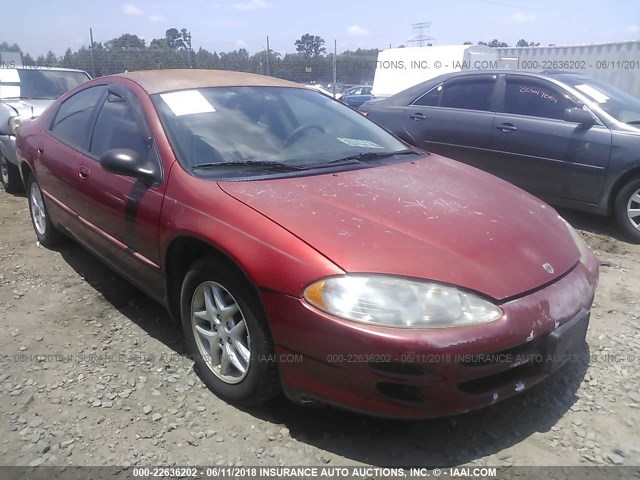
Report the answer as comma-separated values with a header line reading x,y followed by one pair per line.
x,y
32,116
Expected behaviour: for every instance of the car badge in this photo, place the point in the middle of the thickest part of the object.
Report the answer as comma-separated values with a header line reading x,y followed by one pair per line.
x,y
549,268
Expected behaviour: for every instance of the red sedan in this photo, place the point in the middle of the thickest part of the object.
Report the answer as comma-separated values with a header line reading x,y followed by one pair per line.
x,y
305,249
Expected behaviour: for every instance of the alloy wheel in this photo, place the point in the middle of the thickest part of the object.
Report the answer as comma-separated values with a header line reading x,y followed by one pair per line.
x,y
633,209
38,212
4,169
221,333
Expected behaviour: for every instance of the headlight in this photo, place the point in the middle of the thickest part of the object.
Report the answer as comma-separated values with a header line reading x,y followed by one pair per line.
x,y
397,302
14,123
579,241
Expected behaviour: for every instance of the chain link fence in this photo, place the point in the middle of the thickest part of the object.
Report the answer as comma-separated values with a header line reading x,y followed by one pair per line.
x,y
349,68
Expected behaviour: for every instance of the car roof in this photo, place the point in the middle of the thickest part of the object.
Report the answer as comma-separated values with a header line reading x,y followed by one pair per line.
x,y
536,73
157,81
416,90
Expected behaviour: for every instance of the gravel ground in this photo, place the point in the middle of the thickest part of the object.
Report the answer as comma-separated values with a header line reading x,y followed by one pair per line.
x,y
92,373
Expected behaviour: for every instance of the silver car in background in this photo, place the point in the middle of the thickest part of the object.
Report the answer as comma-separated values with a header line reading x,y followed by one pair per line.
x,y
25,92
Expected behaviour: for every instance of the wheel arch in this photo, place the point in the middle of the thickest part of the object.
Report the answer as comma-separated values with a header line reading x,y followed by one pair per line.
x,y
181,254
618,185
25,171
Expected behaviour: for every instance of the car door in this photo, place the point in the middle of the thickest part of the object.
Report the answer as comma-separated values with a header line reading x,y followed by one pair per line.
x,y
123,212
359,96
536,149
58,163
455,119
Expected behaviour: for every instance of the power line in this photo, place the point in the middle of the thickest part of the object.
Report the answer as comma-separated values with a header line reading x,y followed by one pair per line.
x,y
419,36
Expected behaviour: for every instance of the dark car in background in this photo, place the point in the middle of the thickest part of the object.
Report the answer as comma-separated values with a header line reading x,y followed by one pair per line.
x,y
25,92
356,96
570,139
304,248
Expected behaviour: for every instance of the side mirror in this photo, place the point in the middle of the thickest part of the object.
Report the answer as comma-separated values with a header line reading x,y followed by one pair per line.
x,y
580,116
122,161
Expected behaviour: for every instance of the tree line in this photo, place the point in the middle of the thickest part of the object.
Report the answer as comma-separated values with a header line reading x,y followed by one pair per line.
x,y
128,52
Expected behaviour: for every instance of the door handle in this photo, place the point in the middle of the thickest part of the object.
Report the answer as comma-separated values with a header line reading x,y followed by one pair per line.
x,y
417,117
40,150
507,127
83,172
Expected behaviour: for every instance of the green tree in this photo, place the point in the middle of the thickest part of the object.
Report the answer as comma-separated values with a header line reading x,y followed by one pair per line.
x,y
28,60
5,47
51,60
494,43
171,36
523,43
126,41
310,45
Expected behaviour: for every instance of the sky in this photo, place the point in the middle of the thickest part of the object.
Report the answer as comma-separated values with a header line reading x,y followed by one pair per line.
x,y
223,25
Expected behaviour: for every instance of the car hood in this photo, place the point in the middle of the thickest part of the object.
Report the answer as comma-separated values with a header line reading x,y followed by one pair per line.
x,y
24,107
433,218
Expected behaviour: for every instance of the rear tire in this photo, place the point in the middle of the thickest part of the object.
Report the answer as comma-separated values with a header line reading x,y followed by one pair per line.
x,y
228,335
10,176
627,209
48,235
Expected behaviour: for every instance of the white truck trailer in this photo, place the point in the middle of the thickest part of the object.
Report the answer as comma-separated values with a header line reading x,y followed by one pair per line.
x,y
614,63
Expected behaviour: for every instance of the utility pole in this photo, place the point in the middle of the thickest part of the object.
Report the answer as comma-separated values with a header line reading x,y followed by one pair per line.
x,y
93,66
419,36
185,39
268,57
335,66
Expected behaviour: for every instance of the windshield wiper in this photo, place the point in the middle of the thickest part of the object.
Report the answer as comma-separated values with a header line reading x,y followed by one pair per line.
x,y
250,163
364,156
634,122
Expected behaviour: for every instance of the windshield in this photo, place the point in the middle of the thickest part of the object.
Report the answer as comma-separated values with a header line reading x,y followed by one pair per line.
x,y
617,103
248,131
42,84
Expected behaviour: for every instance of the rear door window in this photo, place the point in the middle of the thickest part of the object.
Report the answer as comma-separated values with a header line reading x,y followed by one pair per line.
x,y
535,98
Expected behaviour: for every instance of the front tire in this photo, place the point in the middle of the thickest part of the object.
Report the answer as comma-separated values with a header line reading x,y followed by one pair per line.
x,y
48,235
9,176
627,209
228,335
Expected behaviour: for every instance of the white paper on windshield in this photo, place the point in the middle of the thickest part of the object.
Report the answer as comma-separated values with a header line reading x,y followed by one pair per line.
x,y
9,91
187,102
597,95
9,75
354,142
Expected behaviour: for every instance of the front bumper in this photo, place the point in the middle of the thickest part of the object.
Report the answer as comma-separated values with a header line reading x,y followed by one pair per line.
x,y
421,373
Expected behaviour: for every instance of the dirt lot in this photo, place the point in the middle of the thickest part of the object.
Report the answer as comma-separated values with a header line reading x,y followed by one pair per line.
x,y
91,373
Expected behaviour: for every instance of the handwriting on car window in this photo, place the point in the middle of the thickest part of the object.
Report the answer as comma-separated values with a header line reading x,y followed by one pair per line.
x,y
540,93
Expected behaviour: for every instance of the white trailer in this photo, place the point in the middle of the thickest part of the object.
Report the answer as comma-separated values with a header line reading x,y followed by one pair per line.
x,y
400,68
614,63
